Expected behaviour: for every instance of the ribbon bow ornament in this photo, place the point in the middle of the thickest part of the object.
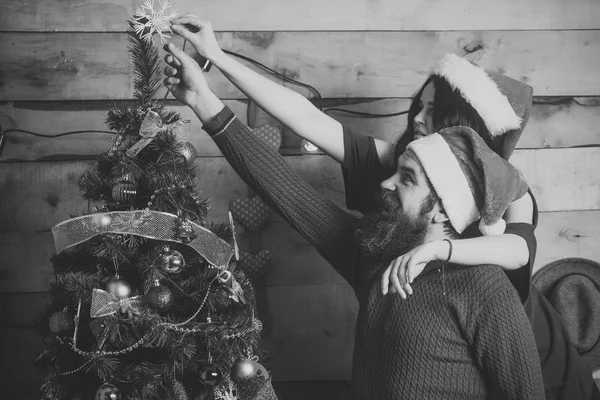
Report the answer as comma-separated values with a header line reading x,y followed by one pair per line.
x,y
151,125
104,303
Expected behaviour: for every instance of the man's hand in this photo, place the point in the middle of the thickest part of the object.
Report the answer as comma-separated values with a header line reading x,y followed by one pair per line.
x,y
184,78
403,270
199,33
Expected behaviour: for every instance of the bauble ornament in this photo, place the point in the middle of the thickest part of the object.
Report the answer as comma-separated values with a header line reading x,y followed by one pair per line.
x,y
118,288
61,322
188,151
209,375
108,392
173,262
125,190
248,369
159,297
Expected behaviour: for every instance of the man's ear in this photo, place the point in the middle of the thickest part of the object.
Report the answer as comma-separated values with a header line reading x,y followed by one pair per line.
x,y
439,215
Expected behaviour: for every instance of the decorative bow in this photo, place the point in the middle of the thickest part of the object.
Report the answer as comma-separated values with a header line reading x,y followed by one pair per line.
x,y
151,125
104,303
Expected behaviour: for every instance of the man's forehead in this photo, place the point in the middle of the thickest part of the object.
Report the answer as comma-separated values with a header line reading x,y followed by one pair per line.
x,y
409,159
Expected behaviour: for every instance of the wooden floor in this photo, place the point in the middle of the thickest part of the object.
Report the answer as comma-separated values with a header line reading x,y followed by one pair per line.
x,y
327,390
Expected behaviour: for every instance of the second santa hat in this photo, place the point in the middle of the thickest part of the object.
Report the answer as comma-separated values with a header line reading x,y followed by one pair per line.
x,y
471,181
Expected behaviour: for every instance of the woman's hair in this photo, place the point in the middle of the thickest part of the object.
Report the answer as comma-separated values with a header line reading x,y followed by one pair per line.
x,y
449,109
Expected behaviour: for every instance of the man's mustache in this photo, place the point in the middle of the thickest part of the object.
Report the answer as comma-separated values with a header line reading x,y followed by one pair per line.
x,y
389,202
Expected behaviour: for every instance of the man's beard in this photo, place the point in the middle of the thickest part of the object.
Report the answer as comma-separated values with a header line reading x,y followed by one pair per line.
x,y
389,234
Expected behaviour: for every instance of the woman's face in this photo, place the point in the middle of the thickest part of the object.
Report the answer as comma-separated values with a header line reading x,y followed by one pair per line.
x,y
423,122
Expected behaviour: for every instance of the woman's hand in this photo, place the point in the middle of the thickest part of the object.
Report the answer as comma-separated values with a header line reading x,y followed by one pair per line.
x,y
199,33
185,78
403,270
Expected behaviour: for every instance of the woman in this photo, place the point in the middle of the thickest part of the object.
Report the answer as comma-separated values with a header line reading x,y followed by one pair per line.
x,y
367,162
565,374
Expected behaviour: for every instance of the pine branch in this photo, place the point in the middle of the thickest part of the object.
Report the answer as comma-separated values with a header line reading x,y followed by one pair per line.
x,y
178,390
146,67
104,367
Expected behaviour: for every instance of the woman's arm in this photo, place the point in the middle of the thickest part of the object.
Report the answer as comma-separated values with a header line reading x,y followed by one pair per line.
x,y
510,251
285,105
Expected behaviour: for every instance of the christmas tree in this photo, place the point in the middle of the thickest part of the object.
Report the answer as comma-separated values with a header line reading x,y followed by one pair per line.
x,y
147,301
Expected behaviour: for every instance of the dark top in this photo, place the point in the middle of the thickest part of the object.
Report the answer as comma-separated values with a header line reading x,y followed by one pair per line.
x,y
462,335
565,374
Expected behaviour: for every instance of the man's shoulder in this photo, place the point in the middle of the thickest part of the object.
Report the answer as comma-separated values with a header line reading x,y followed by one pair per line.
x,y
483,280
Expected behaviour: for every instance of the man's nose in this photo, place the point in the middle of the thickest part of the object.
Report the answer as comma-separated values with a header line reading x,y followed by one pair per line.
x,y
389,184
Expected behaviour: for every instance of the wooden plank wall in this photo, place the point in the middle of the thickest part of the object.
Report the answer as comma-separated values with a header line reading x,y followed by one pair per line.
x,y
64,63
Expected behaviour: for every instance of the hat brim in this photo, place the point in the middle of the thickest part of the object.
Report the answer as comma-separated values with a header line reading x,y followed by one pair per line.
x,y
547,277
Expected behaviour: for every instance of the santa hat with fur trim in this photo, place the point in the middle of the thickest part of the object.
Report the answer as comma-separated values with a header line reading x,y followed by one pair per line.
x,y
471,181
503,103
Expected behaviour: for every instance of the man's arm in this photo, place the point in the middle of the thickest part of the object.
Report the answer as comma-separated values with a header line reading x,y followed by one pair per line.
x,y
321,222
502,339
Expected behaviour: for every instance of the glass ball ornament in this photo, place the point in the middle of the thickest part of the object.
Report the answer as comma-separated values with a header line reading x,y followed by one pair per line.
x,y
173,262
209,374
247,369
108,392
118,288
125,190
61,322
159,297
188,151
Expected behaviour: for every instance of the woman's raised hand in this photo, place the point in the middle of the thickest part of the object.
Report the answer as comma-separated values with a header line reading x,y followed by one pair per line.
x,y
199,33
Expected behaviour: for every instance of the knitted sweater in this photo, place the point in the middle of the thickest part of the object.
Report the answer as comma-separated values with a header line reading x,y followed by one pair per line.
x,y
463,334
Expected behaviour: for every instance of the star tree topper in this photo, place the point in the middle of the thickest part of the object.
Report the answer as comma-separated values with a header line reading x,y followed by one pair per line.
x,y
152,21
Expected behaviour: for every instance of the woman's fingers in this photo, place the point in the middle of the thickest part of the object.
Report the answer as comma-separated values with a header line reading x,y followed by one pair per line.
x,y
170,71
385,279
184,33
172,61
171,81
403,275
172,88
189,19
395,281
